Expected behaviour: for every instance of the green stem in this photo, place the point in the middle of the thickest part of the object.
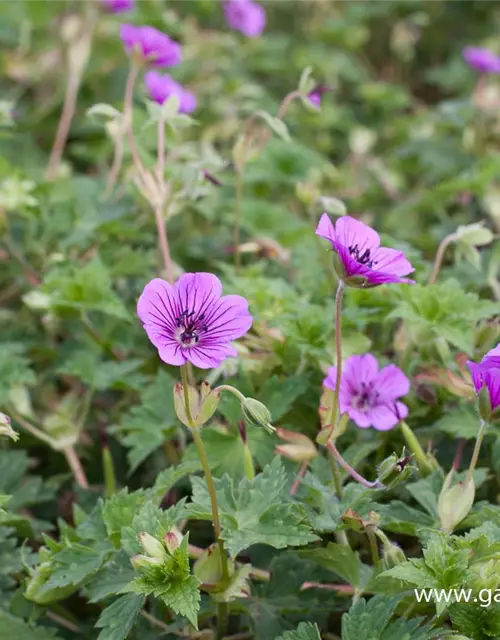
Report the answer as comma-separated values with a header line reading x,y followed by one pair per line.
x,y
373,547
477,448
235,392
335,475
222,607
350,470
338,342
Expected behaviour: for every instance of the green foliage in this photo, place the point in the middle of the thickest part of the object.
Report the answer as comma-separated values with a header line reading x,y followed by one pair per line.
x,y
405,138
305,631
371,621
172,582
118,618
255,511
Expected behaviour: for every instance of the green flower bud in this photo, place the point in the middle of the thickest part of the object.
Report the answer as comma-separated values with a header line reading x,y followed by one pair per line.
x,y
207,567
153,547
36,588
202,404
257,414
394,470
141,561
392,555
172,539
6,429
484,404
455,502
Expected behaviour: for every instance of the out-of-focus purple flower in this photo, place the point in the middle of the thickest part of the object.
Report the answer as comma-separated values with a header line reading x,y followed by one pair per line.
x,y
190,321
316,95
245,16
369,396
118,6
151,45
362,262
161,87
486,374
482,59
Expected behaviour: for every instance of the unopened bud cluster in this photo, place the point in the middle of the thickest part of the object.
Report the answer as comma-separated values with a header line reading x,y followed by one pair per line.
x,y
156,552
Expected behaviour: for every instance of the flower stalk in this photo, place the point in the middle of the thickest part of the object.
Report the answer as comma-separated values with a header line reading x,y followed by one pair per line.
x,y
338,345
222,607
350,470
483,427
438,260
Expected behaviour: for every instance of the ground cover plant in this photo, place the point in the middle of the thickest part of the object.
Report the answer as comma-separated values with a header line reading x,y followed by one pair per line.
x,y
250,347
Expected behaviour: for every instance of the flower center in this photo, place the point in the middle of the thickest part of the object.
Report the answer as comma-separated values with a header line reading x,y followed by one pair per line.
x,y
365,398
189,328
362,258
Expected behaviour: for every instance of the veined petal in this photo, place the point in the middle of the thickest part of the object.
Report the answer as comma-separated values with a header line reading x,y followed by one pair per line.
x,y
493,352
475,371
391,383
197,292
391,261
359,417
492,381
172,353
156,309
360,369
325,228
350,232
227,320
384,417
209,357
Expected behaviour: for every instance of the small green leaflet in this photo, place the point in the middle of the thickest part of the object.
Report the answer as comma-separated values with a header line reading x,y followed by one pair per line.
x,y
305,631
257,511
119,617
371,621
17,629
172,582
341,560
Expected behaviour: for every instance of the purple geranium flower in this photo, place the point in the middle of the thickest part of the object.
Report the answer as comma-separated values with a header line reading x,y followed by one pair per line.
x,y
161,87
482,59
152,45
362,261
118,6
487,374
245,16
316,95
190,321
369,396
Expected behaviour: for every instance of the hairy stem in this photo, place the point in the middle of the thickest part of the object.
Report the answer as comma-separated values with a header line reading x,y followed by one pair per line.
x,y
477,448
338,343
347,467
298,478
67,113
222,607
163,242
438,260
76,467
127,117
373,546
115,167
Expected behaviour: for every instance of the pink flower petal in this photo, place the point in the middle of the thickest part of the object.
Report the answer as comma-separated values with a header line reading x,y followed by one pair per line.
x,y
391,383
350,232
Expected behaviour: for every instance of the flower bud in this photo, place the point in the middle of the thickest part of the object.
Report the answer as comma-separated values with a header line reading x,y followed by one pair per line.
x,y
257,414
172,539
300,449
141,561
207,567
426,462
394,470
455,502
151,545
202,404
6,428
392,555
484,404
